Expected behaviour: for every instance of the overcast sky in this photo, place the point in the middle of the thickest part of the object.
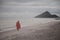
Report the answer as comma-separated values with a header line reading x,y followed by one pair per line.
x,y
28,8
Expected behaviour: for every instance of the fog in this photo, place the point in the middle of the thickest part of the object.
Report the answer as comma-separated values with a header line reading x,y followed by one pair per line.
x,y
28,8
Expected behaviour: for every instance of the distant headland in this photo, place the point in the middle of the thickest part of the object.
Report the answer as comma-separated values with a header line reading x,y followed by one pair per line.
x,y
46,14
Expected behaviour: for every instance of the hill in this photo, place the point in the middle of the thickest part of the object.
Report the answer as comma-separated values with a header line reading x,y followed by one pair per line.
x,y
47,14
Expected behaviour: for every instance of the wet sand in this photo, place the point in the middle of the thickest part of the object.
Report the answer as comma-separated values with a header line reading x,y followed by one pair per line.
x,y
46,31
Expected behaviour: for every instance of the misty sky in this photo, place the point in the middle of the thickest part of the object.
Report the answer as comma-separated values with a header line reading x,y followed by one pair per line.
x,y
28,8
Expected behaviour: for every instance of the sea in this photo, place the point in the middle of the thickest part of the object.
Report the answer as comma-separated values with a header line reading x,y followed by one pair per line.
x,y
9,23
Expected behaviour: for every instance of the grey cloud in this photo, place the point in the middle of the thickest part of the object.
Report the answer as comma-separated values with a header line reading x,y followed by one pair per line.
x,y
12,7
31,2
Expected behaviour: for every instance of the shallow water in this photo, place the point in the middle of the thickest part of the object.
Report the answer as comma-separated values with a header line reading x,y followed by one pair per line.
x,y
8,24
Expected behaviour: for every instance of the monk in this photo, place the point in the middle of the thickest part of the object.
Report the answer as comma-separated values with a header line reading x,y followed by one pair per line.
x,y
18,26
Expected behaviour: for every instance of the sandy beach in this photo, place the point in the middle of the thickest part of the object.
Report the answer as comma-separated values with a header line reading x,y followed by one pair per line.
x,y
38,31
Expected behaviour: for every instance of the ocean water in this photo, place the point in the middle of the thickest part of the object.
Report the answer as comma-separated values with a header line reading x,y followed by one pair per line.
x,y
10,23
